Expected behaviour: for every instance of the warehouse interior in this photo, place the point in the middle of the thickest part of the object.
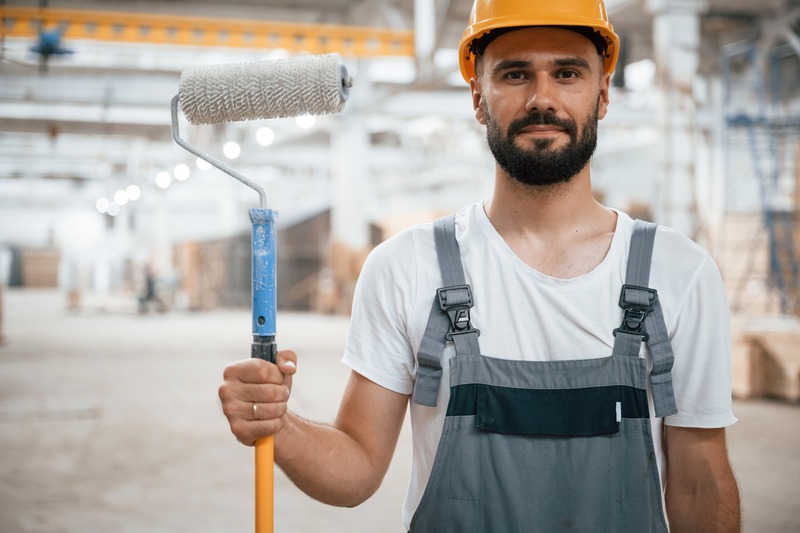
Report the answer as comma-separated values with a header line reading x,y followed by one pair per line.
x,y
703,134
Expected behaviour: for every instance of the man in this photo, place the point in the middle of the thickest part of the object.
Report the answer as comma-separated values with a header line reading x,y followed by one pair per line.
x,y
558,417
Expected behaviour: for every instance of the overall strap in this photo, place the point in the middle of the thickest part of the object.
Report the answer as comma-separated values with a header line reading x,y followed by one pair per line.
x,y
643,319
449,317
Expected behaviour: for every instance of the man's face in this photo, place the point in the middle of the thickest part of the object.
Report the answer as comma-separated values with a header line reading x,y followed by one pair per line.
x,y
540,164
540,93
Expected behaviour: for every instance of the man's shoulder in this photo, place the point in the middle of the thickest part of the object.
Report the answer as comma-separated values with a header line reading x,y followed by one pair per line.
x,y
398,256
676,258
405,240
418,237
673,248
670,244
679,263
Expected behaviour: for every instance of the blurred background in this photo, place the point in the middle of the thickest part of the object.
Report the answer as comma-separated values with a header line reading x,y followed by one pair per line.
x,y
125,261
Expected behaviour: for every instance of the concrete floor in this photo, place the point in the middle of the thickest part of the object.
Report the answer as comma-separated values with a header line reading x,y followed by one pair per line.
x,y
109,421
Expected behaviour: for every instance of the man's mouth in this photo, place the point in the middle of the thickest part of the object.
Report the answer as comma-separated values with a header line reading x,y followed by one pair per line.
x,y
543,129
542,126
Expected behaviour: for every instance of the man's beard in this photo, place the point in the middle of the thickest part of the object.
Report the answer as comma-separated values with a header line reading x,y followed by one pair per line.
x,y
538,165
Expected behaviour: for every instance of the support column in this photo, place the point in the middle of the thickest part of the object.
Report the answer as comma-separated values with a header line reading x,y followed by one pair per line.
x,y
350,146
161,255
351,201
676,41
424,38
2,339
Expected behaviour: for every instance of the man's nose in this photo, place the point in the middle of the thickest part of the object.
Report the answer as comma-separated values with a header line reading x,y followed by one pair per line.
x,y
541,97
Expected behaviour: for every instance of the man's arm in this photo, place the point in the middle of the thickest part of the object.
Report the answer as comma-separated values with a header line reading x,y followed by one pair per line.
x,y
701,494
339,464
344,463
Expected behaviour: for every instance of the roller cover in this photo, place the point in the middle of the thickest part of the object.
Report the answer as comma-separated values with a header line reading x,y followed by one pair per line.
x,y
289,87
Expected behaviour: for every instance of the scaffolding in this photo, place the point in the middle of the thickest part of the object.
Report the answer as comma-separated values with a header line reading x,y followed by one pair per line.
x,y
762,131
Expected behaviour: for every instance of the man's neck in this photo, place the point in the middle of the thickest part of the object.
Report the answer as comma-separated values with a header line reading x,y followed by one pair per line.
x,y
560,230
545,210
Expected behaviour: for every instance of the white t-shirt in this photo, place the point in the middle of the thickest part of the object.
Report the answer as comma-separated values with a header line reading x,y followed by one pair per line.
x,y
524,314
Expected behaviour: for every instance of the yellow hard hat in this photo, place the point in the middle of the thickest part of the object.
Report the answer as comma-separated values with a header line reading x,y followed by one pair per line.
x,y
490,15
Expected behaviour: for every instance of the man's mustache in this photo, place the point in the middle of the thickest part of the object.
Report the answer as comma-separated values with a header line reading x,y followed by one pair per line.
x,y
542,119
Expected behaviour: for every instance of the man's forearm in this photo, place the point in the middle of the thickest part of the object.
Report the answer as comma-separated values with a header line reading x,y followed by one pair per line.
x,y
711,509
325,462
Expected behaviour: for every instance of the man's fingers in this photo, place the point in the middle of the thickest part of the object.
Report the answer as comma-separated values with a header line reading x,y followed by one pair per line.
x,y
249,432
255,393
253,371
287,362
266,411
250,421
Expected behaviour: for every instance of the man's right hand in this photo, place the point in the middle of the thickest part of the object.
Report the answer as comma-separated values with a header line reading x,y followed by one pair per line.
x,y
254,396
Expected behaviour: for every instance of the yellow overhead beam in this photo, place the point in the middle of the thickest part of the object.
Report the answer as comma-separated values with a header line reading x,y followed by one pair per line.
x,y
201,31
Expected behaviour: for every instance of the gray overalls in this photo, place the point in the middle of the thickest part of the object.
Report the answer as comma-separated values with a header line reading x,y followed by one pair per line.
x,y
545,446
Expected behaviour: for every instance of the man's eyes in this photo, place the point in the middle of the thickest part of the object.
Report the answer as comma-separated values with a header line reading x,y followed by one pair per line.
x,y
515,75
568,74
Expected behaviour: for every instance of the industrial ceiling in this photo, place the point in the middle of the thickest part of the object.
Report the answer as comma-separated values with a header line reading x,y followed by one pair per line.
x,y
78,126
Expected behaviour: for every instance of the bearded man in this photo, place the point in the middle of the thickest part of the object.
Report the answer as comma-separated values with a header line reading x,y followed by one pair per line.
x,y
584,356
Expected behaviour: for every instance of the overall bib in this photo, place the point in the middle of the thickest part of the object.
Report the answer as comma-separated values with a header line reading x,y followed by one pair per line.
x,y
545,446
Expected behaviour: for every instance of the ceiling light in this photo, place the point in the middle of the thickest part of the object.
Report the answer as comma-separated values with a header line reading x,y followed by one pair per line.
x,y
102,205
121,197
133,192
202,164
265,136
231,150
163,179
113,210
181,172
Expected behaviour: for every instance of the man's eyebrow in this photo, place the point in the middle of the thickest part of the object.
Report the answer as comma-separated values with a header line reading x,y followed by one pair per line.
x,y
575,61
511,64
572,61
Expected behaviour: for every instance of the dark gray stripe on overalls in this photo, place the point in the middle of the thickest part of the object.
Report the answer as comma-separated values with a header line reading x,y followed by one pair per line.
x,y
539,446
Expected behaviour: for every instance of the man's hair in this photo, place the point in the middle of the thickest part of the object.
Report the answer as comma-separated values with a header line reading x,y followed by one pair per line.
x,y
478,46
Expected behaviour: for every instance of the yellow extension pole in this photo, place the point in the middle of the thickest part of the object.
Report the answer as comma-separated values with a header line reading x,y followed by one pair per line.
x,y
265,484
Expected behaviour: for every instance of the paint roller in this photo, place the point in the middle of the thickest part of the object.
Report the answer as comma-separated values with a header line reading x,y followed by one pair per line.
x,y
280,88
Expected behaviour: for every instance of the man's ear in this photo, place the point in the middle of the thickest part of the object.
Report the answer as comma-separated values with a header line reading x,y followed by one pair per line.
x,y
602,108
477,95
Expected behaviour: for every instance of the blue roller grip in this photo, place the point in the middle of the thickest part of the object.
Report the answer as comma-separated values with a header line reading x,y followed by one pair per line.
x,y
264,269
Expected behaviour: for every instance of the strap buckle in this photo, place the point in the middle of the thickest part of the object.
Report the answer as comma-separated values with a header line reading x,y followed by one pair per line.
x,y
636,306
456,301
